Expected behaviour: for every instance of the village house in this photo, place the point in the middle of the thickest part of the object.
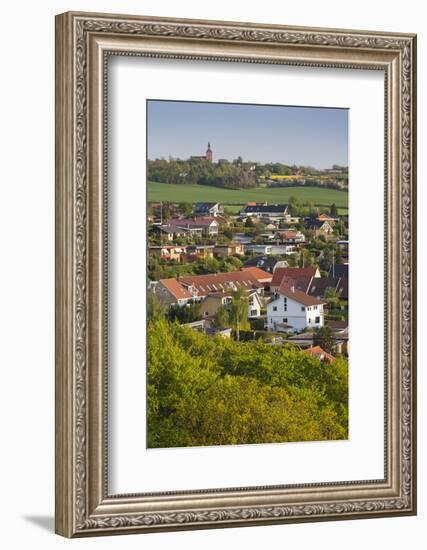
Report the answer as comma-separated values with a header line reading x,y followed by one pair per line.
x,y
229,249
279,249
293,310
207,209
165,233
291,236
319,227
319,286
170,292
206,226
216,300
200,251
168,253
301,275
221,282
269,212
267,263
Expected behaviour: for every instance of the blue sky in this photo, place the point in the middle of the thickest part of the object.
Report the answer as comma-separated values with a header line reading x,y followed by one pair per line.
x,y
310,136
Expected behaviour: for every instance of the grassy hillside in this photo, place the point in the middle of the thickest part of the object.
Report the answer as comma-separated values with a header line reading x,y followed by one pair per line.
x,y
200,193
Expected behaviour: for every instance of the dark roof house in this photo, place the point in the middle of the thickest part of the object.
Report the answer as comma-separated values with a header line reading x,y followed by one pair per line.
x,y
265,209
267,263
206,208
339,270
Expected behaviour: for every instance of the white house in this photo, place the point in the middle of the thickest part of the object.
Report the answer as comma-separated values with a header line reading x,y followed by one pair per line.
x,y
270,248
292,310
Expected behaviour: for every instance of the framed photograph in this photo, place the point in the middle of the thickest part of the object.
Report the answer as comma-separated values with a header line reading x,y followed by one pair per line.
x,y
235,274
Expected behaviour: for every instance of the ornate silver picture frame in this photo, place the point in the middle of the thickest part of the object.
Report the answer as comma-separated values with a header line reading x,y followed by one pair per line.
x,y
84,42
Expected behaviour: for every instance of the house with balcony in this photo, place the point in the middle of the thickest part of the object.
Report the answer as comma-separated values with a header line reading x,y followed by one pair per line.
x,y
229,249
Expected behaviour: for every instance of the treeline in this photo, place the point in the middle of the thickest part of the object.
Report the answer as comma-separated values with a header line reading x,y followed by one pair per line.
x,y
159,269
215,391
237,174
227,175
313,182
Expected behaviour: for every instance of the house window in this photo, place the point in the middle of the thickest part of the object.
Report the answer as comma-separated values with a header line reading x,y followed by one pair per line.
x,y
285,319
285,303
253,312
302,308
309,320
317,320
206,313
274,308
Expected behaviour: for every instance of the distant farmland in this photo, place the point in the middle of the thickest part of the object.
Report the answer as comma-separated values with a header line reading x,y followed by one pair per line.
x,y
204,193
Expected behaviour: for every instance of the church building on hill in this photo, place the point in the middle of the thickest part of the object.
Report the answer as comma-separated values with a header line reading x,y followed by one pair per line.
x,y
208,157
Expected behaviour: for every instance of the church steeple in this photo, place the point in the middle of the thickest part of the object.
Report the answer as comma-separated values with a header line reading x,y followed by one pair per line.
x,y
209,154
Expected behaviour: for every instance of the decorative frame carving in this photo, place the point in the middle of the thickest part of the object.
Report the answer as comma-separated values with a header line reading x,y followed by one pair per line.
x,y
83,42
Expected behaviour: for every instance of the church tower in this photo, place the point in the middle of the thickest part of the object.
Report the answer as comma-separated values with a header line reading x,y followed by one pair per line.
x,y
209,154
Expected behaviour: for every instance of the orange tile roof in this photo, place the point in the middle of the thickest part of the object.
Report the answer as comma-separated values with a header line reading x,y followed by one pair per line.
x,y
290,234
325,217
321,354
176,289
218,282
259,274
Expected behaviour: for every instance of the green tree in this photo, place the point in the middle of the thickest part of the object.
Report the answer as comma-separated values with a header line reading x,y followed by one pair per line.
x,y
156,310
232,263
249,222
294,205
185,208
332,296
323,337
213,391
184,314
333,210
238,311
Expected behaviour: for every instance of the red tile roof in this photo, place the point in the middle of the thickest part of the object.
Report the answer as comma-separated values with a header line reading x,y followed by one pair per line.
x,y
176,289
205,284
293,272
320,354
259,274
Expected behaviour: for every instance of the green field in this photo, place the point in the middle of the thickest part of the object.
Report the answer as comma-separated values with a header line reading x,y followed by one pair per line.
x,y
204,193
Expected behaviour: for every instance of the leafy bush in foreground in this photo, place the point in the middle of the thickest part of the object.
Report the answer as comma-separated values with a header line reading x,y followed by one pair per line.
x,y
215,391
